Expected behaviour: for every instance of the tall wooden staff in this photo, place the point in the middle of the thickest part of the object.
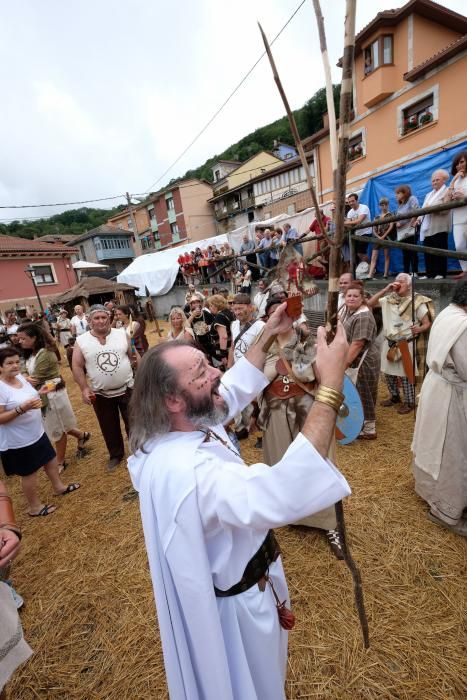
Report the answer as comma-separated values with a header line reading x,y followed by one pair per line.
x,y
336,243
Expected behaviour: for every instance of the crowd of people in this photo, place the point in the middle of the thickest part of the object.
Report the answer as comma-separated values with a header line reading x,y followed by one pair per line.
x,y
229,367
214,264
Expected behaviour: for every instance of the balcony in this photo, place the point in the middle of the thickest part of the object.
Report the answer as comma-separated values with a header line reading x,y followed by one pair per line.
x,y
235,207
378,85
113,248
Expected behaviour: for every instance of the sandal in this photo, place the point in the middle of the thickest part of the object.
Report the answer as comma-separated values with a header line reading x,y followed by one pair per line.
x,y
45,510
69,489
83,440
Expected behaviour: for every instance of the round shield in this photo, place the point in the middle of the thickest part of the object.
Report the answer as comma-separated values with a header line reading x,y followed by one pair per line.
x,y
350,418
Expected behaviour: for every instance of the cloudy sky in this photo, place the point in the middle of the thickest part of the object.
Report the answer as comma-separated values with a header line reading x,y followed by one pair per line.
x,y
101,96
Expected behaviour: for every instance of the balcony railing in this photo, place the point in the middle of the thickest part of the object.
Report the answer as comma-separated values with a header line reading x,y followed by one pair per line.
x,y
235,207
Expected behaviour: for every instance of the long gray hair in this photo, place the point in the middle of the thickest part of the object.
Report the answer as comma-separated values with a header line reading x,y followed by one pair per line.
x,y
155,380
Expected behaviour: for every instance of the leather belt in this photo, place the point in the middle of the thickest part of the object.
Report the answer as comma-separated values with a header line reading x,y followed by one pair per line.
x,y
255,569
284,388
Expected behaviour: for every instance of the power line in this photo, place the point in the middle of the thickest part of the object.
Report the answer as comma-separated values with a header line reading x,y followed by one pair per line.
x,y
59,204
198,135
247,75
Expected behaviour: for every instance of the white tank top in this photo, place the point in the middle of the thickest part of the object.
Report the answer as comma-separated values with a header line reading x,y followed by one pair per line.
x,y
108,366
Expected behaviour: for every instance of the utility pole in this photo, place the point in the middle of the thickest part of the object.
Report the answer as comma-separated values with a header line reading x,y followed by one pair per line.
x,y
137,242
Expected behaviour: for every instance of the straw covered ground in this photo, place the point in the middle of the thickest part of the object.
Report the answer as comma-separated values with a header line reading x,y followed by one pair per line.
x,y
89,614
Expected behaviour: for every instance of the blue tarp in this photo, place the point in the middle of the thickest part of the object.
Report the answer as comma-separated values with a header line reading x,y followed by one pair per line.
x,y
417,174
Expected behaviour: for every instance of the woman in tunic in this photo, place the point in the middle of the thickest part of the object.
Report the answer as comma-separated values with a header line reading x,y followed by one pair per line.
x,y
24,446
285,404
363,355
179,328
42,368
63,328
440,439
135,329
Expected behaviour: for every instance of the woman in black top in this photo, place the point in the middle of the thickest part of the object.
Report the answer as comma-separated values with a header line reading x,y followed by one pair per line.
x,y
221,337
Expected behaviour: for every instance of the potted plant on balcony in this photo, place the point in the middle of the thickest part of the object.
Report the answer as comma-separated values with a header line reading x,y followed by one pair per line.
x,y
426,117
410,124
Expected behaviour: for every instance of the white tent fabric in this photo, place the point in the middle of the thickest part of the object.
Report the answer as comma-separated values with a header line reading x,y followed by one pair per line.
x,y
84,265
158,271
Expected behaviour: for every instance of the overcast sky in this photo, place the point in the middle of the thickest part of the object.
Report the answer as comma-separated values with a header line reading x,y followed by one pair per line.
x,y
101,96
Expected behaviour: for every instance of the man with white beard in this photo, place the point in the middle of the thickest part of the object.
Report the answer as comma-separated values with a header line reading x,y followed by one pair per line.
x,y
215,564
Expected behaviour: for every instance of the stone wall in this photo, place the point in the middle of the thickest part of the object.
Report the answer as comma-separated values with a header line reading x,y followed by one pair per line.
x,y
440,291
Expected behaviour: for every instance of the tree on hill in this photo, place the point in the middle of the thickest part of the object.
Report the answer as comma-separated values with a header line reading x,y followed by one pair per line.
x,y
71,222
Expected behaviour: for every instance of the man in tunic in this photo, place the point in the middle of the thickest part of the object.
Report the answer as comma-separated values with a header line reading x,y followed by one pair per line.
x,y
103,355
440,439
399,331
206,516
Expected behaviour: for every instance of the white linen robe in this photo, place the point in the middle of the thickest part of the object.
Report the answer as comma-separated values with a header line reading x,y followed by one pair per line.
x,y
204,515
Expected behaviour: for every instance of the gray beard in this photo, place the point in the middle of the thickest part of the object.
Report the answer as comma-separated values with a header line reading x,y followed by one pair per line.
x,y
205,414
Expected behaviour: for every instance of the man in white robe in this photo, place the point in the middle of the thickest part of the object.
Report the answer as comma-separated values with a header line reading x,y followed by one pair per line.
x,y
440,439
205,514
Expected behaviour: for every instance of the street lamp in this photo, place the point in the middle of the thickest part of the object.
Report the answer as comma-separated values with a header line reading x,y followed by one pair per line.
x,y
31,273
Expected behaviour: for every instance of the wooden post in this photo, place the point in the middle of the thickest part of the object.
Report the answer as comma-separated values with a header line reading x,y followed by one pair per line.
x,y
329,88
335,260
137,242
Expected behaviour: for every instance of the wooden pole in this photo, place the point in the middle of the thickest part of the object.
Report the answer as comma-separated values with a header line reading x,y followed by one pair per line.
x,y
137,242
335,259
329,88
296,135
335,244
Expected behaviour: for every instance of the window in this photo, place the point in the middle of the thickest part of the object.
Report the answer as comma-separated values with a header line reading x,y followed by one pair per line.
x,y
43,274
170,203
379,53
418,114
152,212
387,49
356,147
174,229
217,175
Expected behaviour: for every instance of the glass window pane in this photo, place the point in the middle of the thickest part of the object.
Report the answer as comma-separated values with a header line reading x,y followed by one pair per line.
x,y
375,54
387,49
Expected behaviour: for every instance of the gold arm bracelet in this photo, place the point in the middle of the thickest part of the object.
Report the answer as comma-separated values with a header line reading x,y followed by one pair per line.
x,y
330,397
333,393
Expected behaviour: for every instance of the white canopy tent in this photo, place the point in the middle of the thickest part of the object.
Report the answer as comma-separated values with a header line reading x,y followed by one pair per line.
x,y
157,271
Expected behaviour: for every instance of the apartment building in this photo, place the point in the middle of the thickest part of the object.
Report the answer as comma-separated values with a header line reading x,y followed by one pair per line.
x,y
178,213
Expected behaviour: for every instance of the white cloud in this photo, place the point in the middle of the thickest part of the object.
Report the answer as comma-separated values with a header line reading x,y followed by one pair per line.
x,y
101,97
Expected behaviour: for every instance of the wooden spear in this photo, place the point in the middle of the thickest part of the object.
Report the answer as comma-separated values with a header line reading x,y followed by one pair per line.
x,y
296,136
329,88
336,243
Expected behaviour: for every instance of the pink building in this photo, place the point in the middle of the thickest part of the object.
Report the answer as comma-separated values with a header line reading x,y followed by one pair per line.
x,y
52,268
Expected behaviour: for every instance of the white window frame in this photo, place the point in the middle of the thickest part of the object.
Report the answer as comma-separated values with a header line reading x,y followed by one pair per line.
x,y
433,90
355,133
52,268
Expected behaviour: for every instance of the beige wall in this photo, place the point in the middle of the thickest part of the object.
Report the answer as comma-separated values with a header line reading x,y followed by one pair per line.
x,y
430,38
386,148
199,220
251,168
